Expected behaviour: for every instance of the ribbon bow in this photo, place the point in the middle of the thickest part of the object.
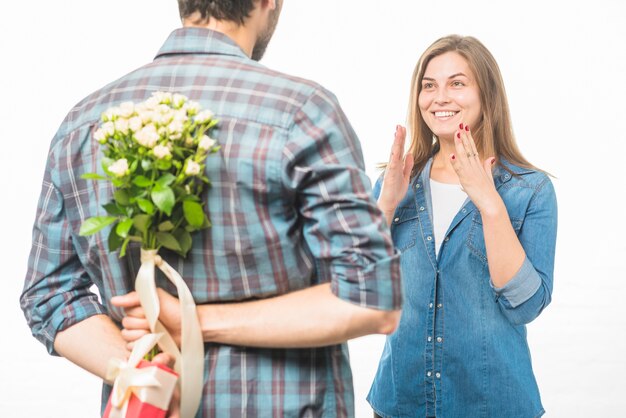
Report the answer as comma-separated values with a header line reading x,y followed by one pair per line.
x,y
151,384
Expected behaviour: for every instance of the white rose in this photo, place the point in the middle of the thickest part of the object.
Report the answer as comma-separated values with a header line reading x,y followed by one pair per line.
x,y
108,128
204,116
175,127
121,125
147,136
192,107
146,116
151,103
181,115
127,109
100,136
206,143
162,97
161,151
192,169
178,100
135,123
119,168
111,114
162,116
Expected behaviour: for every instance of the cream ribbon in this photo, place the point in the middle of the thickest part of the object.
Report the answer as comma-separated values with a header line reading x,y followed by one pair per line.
x,y
190,358
150,384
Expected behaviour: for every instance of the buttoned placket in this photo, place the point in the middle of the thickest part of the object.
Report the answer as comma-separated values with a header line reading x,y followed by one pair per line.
x,y
435,338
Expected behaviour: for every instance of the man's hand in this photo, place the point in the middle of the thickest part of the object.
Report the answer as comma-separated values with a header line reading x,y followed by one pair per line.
x,y
135,323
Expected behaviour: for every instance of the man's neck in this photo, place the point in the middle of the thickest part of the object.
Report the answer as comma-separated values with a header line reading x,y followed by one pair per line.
x,y
242,34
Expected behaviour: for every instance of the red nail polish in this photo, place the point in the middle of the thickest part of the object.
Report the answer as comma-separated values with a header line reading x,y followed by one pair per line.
x,y
453,157
466,127
460,126
458,135
493,160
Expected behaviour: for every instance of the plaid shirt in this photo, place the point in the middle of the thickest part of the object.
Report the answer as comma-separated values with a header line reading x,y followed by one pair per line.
x,y
290,206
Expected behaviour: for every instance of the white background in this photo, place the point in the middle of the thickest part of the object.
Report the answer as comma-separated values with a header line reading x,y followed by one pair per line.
x,y
564,65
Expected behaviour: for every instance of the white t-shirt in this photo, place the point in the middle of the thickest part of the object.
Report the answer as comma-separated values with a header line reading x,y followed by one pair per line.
x,y
447,199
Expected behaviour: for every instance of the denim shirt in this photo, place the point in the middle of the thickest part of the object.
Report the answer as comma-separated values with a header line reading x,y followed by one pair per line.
x,y
461,349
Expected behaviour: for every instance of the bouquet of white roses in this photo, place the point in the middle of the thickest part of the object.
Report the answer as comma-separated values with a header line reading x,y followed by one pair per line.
x,y
154,155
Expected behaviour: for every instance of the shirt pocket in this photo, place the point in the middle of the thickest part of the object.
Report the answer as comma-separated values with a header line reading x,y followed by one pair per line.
x,y
404,228
476,239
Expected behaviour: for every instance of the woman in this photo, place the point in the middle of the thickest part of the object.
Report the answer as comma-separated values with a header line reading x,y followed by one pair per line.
x,y
476,224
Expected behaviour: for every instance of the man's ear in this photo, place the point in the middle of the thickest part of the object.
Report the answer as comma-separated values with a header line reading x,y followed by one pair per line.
x,y
271,4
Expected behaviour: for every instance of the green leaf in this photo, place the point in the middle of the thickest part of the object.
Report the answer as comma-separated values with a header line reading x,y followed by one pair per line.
x,y
142,222
145,205
193,213
113,209
93,176
166,179
193,197
115,241
168,241
121,197
123,227
133,166
142,181
95,224
166,226
184,239
163,198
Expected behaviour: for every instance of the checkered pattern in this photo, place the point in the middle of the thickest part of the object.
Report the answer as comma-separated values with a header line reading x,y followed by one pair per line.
x,y
290,206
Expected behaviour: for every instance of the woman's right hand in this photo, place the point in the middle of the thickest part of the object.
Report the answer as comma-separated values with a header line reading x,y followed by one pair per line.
x,y
397,176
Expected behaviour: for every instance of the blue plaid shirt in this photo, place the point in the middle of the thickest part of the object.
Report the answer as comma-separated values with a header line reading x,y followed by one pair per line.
x,y
290,205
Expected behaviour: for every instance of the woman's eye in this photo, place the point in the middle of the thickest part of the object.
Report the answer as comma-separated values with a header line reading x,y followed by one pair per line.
x,y
458,83
428,85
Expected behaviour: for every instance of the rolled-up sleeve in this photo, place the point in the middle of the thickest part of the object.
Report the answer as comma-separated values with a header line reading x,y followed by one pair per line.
x,y
525,296
342,225
56,292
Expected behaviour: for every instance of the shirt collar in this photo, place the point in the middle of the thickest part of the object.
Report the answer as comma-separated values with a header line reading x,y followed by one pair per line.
x,y
199,41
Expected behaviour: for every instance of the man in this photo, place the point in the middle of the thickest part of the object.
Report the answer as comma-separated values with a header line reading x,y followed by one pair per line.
x,y
298,259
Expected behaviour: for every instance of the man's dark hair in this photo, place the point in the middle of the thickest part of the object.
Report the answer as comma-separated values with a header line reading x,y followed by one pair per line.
x,y
231,10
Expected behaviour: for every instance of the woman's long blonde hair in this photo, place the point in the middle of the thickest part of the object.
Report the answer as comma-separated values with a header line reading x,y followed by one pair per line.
x,y
494,133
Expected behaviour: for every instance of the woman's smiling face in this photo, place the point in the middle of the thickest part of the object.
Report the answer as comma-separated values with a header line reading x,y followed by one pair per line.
x,y
449,95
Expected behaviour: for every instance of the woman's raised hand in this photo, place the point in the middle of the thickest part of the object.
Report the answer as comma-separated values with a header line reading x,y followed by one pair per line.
x,y
397,176
474,174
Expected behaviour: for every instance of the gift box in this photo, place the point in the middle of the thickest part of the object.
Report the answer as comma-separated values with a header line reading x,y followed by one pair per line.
x,y
145,394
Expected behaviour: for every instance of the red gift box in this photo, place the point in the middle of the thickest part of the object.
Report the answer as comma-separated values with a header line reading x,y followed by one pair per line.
x,y
139,409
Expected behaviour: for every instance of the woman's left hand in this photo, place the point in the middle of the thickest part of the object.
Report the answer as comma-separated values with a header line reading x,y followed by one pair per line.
x,y
475,175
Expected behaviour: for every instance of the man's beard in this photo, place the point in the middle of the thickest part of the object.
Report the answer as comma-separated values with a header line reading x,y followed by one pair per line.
x,y
264,38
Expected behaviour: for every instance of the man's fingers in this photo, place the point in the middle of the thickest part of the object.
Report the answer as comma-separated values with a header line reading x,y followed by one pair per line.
x,y
128,300
132,335
130,322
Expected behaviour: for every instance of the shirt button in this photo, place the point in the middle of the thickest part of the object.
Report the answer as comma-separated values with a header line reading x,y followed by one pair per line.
x,y
429,238
396,220
439,339
417,186
422,208
429,374
464,210
430,338
446,239
439,305
430,305
438,375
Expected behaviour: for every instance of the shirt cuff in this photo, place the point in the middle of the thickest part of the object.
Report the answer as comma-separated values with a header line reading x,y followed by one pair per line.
x,y
521,287
376,286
